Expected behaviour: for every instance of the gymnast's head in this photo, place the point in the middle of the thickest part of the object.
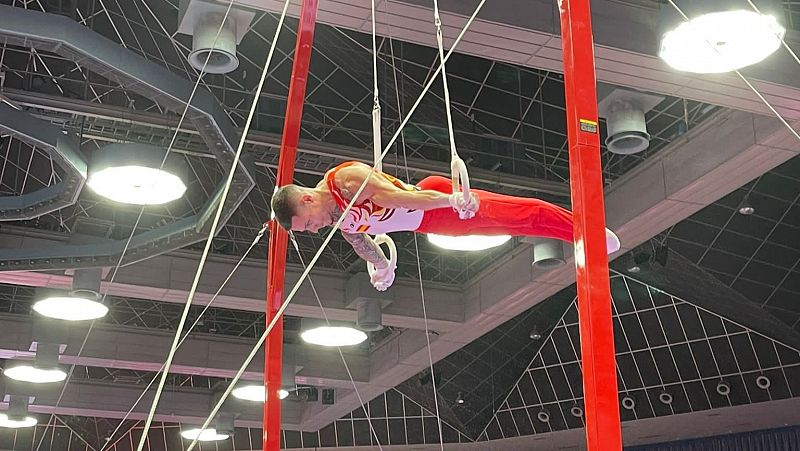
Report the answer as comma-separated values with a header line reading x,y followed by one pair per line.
x,y
300,209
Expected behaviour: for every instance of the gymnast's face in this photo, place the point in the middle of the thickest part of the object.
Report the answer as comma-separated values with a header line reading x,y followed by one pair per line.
x,y
311,214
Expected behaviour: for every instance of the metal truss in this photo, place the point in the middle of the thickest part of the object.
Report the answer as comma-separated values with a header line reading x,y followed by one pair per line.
x,y
671,355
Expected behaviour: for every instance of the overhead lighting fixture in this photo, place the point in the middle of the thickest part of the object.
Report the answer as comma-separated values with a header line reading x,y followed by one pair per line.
x,y
723,388
70,308
467,242
255,393
17,414
333,336
26,422
460,399
746,208
283,393
44,369
81,304
204,435
29,373
133,174
720,36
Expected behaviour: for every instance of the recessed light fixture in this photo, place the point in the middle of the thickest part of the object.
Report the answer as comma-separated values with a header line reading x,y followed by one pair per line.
x,y
460,399
467,242
133,174
333,336
26,422
723,388
717,39
70,308
29,373
255,393
665,398
204,435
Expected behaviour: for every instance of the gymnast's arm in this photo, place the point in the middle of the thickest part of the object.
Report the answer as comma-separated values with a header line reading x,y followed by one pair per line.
x,y
367,249
384,193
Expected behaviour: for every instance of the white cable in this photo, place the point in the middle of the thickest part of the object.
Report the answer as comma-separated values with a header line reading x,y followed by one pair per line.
x,y
191,328
747,82
327,240
419,264
338,348
212,231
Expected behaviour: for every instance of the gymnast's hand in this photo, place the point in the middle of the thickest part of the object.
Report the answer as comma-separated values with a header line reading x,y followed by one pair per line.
x,y
382,279
466,210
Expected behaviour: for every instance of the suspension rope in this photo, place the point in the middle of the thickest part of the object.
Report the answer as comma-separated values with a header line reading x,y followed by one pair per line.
x,y
212,231
419,263
338,348
327,240
256,240
141,210
458,169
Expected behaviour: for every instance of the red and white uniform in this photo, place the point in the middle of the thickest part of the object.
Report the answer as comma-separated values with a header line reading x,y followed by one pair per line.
x,y
498,214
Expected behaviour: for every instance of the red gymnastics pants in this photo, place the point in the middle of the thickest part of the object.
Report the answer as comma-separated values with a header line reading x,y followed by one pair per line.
x,y
497,214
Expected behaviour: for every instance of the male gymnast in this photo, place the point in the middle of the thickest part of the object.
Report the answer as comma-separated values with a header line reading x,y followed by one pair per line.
x,y
389,205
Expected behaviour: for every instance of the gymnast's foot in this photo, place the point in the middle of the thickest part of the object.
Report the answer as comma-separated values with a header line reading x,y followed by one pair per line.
x,y
612,242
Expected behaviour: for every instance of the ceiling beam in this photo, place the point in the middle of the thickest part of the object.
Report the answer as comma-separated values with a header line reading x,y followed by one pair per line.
x,y
139,349
167,278
527,33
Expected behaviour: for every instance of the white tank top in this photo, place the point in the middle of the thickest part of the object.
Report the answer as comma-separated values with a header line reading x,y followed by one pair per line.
x,y
369,217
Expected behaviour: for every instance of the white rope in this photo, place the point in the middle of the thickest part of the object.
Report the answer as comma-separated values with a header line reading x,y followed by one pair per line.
x,y
212,231
458,169
338,348
325,243
256,240
419,263
747,82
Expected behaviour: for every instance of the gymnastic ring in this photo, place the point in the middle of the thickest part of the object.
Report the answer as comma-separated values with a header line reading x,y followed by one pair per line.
x,y
387,240
460,177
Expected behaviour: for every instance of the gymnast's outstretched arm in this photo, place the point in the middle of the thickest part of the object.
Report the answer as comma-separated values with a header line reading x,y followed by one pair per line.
x,y
384,193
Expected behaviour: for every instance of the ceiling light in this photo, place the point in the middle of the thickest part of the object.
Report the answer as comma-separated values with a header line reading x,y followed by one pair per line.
x,y
26,422
29,373
255,393
628,403
460,399
467,242
333,336
133,174
723,388
763,382
535,335
283,394
720,41
204,435
70,308
746,208
665,398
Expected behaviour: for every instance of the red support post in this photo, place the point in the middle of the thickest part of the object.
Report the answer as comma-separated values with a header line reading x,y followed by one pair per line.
x,y
603,432
278,238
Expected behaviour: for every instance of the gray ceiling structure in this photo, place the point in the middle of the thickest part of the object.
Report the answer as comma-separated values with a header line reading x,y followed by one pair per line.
x,y
714,142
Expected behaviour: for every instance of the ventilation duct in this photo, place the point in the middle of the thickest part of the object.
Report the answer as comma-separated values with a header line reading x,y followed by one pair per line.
x,y
61,147
73,41
367,302
625,121
212,39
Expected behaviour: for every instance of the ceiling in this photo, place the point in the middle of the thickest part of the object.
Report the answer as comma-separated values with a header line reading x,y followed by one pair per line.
x,y
713,145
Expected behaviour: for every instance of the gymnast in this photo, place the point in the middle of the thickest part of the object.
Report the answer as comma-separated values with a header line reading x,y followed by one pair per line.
x,y
389,205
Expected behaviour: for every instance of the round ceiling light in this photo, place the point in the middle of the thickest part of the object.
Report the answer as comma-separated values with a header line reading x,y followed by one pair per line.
x,y
333,336
721,41
255,393
26,422
28,373
133,174
204,435
467,242
70,308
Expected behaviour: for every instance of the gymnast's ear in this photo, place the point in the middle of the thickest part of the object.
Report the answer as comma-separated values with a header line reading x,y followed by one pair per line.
x,y
306,199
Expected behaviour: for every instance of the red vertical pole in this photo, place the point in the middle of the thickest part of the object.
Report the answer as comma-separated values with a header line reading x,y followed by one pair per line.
x,y
278,238
603,431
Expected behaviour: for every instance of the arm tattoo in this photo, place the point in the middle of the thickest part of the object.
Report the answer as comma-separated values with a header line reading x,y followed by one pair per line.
x,y
366,248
